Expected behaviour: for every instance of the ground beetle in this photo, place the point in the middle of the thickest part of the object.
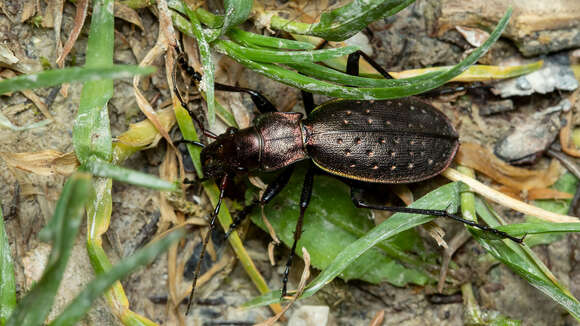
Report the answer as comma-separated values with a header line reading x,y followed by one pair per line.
x,y
382,141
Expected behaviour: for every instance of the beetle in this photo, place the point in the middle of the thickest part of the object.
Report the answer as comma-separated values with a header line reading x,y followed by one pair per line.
x,y
379,141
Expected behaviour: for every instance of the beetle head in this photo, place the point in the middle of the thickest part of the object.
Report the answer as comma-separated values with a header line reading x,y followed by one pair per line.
x,y
235,151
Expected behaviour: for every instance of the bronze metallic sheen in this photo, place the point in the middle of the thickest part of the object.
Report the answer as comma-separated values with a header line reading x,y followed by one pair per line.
x,y
387,141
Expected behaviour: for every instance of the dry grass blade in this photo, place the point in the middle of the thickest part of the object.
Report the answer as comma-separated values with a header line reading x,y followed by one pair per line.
x,y
165,40
452,247
378,318
567,146
436,232
507,201
80,16
481,159
46,163
39,103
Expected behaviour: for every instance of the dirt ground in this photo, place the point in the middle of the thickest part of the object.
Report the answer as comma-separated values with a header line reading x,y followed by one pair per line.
x,y
400,42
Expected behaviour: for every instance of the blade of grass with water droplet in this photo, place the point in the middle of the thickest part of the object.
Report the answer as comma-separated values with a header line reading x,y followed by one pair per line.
x,y
70,75
236,12
256,40
264,55
322,87
343,22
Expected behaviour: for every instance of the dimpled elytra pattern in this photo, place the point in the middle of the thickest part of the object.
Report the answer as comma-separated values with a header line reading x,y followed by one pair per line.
x,y
388,141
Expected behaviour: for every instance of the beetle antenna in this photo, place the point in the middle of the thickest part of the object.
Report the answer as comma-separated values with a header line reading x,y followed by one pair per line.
x,y
212,224
191,142
195,76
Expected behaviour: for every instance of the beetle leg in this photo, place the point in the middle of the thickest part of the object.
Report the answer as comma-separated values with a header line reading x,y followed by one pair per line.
x,y
439,213
262,103
444,90
212,225
352,64
304,201
308,100
191,142
271,191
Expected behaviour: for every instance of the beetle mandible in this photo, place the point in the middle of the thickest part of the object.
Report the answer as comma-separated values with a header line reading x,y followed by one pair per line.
x,y
379,141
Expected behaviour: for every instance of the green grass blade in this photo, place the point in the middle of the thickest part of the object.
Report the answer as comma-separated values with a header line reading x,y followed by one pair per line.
x,y
445,197
91,131
256,40
70,75
207,82
524,262
207,18
263,55
342,23
519,258
566,183
105,169
321,87
188,131
82,303
314,70
522,229
62,229
226,116
236,12
5,123
7,284
473,73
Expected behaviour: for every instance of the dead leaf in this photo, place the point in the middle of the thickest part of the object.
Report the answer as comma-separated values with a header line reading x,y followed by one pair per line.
x,y
509,191
48,15
481,159
45,163
127,14
168,172
436,232
28,10
473,36
378,318
547,193
567,146
38,102
403,192
80,16
7,58
141,135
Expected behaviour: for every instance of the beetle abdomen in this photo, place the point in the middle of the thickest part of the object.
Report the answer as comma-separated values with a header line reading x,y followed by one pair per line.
x,y
389,141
